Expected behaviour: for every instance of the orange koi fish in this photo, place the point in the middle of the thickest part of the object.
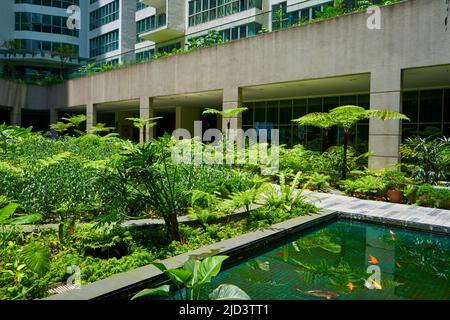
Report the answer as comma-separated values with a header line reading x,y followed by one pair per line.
x,y
392,235
373,260
282,252
350,286
398,264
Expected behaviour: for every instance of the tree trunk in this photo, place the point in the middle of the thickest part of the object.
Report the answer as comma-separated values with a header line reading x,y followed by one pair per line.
x,y
344,161
325,140
173,230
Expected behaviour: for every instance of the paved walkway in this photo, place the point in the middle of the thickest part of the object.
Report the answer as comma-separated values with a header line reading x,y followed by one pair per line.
x,y
431,219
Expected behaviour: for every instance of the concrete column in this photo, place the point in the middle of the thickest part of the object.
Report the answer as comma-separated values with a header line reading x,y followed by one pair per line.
x,y
232,99
185,118
91,114
53,116
146,110
16,116
385,136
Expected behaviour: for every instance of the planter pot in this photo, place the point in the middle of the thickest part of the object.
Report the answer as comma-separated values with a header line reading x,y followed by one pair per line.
x,y
395,195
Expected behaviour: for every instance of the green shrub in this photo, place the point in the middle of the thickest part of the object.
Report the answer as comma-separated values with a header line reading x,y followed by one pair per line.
x,y
434,197
317,181
367,186
427,160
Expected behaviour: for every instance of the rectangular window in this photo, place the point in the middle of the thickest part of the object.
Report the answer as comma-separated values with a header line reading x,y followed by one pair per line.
x,y
104,15
201,11
104,43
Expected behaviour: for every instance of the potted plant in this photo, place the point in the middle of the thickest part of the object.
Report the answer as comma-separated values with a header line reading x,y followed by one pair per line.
x,y
394,183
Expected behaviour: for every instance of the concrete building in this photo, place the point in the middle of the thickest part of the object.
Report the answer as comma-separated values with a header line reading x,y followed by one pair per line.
x,y
281,75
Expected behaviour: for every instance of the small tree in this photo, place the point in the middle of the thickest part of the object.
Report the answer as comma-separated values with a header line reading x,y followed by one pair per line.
x,y
322,120
144,124
73,121
346,117
227,114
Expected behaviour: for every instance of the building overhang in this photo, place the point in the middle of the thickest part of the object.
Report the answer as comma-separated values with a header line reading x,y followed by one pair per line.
x,y
154,3
162,34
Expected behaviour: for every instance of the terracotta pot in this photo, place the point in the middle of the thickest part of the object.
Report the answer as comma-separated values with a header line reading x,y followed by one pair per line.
x,y
394,195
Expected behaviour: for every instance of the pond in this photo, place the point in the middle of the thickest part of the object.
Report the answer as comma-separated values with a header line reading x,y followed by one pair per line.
x,y
346,260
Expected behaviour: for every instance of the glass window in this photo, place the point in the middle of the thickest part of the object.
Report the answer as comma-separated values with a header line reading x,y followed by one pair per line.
x,y
410,105
430,106
286,112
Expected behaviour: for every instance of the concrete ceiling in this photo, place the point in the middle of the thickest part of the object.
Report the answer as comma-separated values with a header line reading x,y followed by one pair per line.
x,y
358,83
200,99
427,77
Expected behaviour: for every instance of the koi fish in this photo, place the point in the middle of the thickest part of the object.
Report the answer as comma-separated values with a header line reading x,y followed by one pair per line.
x,y
240,258
398,264
282,252
320,294
373,260
392,235
350,286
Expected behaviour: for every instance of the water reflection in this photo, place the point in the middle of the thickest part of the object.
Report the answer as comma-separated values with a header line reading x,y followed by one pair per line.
x,y
333,262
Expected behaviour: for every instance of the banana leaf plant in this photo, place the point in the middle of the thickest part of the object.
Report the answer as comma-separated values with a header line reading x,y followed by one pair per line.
x,y
7,212
191,279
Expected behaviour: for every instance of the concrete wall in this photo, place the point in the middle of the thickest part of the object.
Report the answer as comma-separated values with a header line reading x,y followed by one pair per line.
x,y
21,96
412,35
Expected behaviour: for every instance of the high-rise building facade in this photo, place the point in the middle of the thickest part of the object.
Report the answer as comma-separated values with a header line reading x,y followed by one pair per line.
x,y
37,36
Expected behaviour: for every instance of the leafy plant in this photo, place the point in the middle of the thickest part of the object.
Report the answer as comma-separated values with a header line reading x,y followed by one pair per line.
x,y
367,185
435,197
243,199
37,257
318,181
213,37
191,279
286,197
427,160
7,212
147,174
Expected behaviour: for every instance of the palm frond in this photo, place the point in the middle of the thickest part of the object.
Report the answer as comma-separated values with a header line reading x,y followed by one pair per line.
x,y
37,257
212,111
386,115
230,113
316,119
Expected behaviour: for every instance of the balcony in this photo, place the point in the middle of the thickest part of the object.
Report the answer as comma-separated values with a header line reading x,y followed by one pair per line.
x,y
155,3
170,23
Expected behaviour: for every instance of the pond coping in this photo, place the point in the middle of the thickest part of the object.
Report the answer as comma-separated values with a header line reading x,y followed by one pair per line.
x,y
128,283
